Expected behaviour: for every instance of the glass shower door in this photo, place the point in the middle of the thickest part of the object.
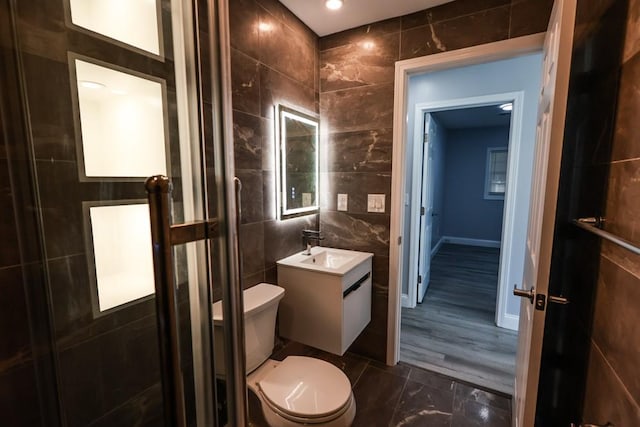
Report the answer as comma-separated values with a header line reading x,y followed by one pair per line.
x,y
116,91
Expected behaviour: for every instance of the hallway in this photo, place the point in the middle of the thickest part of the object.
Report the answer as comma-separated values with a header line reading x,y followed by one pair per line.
x,y
453,331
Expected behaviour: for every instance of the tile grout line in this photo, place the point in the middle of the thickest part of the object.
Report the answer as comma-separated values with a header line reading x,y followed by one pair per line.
x,y
614,162
397,405
626,391
360,374
617,264
258,4
260,62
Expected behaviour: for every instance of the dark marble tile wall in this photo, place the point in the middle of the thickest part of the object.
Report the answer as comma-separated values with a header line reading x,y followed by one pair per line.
x,y
25,363
613,382
274,59
589,366
356,108
106,367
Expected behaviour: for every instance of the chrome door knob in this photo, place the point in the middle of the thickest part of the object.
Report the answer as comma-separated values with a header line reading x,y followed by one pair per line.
x,y
530,294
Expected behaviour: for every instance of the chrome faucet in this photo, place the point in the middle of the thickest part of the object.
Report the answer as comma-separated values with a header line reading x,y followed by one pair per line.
x,y
307,237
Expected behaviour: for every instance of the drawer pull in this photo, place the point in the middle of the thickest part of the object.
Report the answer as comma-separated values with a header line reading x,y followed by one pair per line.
x,y
356,285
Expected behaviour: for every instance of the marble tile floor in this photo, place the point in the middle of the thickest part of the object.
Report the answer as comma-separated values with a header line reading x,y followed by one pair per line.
x,y
453,331
403,395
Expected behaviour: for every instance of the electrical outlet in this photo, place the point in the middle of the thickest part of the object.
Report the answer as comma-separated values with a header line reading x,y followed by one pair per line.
x,y
342,202
375,203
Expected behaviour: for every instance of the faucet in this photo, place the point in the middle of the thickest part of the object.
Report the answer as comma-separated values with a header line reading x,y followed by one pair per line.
x,y
307,237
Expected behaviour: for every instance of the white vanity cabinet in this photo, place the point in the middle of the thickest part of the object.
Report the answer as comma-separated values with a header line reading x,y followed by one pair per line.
x,y
327,299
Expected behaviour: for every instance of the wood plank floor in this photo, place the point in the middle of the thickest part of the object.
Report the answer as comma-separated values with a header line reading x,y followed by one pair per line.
x,y
453,331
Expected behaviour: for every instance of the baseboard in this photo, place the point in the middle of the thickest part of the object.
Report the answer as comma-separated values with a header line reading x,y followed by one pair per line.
x,y
471,242
509,321
404,301
436,247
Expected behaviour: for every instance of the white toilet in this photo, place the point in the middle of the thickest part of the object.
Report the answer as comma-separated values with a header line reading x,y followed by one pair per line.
x,y
297,391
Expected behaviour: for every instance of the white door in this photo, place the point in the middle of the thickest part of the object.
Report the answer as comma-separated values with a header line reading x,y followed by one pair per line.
x,y
548,151
426,211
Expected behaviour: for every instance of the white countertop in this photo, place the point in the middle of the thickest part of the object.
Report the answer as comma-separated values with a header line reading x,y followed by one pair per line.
x,y
300,260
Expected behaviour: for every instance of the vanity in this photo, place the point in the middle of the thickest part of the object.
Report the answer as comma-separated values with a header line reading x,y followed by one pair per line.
x,y
327,300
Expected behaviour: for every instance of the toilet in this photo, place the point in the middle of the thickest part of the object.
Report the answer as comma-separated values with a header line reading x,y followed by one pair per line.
x,y
297,391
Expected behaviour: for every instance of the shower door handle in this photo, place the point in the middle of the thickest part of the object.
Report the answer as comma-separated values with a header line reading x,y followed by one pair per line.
x,y
163,237
234,335
158,190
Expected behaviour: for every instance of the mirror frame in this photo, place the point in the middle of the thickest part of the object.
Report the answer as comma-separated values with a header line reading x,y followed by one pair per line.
x,y
282,113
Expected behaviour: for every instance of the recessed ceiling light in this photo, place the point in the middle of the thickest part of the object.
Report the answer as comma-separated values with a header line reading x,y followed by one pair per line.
x,y
506,107
91,85
333,4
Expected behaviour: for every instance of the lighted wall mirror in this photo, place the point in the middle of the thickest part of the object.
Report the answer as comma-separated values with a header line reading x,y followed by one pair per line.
x,y
297,162
118,241
134,23
120,123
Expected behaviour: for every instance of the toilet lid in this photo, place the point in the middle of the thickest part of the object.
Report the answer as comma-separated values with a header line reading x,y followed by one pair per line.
x,y
306,387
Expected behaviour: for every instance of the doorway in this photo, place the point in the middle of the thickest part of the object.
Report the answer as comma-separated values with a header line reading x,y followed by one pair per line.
x,y
459,183
514,79
551,94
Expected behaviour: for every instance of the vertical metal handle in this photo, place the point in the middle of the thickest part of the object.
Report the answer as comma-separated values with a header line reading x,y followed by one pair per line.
x,y
233,307
158,190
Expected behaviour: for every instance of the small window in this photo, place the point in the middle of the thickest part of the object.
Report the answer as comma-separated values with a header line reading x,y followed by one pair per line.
x,y
495,182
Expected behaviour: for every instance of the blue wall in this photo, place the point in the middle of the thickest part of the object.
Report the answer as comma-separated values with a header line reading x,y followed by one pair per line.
x,y
466,212
520,74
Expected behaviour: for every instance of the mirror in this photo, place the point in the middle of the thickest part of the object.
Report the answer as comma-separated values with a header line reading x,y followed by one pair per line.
x,y
297,163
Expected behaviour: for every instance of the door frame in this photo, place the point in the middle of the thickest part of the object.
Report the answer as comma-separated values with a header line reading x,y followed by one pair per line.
x,y
403,70
502,318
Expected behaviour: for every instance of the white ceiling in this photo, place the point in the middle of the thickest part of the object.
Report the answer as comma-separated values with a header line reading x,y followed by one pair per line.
x,y
354,13
476,117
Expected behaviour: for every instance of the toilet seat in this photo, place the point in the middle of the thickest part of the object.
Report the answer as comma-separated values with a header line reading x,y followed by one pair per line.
x,y
306,390
310,421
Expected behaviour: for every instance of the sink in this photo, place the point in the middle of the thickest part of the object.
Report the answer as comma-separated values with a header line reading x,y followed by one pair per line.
x,y
327,260
327,298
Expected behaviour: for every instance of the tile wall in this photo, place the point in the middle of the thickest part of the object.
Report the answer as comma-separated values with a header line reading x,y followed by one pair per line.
x,y
592,345
347,78
17,365
613,380
97,369
274,59
27,393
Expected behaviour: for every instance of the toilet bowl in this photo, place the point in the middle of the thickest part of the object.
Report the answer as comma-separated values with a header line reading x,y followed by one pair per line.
x,y
297,391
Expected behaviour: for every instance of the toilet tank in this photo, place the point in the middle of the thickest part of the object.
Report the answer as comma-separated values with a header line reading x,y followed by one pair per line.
x,y
260,309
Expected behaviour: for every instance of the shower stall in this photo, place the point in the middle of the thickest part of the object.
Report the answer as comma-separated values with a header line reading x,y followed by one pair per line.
x,y
106,284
